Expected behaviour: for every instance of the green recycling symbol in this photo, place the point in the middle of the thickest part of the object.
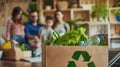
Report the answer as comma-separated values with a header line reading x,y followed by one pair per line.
x,y
76,56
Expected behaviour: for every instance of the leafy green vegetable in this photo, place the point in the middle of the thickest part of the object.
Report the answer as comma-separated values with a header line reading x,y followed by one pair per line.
x,y
71,38
23,48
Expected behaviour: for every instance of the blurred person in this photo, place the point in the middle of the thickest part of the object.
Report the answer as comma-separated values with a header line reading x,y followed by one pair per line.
x,y
31,33
15,27
60,25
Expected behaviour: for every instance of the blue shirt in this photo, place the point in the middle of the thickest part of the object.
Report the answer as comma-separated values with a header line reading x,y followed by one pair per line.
x,y
30,29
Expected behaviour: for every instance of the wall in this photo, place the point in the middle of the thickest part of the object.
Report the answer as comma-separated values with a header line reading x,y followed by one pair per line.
x,y
2,30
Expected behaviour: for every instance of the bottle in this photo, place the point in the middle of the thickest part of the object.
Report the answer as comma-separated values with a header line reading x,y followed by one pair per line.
x,y
82,43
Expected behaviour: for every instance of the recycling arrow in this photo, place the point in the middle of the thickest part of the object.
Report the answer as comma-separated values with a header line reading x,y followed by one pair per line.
x,y
71,64
85,55
91,64
77,55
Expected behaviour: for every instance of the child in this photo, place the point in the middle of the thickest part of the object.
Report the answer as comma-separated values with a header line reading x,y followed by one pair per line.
x,y
47,30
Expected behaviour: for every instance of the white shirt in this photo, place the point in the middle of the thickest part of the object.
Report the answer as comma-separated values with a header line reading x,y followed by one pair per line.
x,y
46,32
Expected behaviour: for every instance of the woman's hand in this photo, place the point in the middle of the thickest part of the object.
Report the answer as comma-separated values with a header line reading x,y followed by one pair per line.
x,y
7,39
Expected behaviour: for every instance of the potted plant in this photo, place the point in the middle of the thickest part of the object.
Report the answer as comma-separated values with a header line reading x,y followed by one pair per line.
x,y
117,13
31,7
48,4
100,12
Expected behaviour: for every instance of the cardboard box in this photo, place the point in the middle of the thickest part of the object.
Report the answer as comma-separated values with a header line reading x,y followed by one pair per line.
x,y
15,54
76,56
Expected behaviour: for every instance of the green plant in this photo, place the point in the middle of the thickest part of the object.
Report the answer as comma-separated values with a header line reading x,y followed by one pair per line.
x,y
117,12
48,2
31,7
23,47
71,38
72,23
117,4
99,11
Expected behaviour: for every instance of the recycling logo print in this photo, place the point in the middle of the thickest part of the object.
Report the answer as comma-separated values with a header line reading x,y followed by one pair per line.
x,y
77,55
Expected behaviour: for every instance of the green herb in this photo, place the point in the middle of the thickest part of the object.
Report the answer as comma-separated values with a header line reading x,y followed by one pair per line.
x,y
23,47
117,12
99,11
71,38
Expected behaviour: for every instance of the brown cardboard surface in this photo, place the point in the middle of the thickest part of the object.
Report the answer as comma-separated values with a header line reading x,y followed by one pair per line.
x,y
15,54
12,54
58,56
